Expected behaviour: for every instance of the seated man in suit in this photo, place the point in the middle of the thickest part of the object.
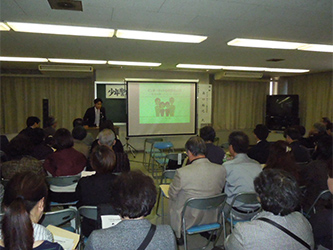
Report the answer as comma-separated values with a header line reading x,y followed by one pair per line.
x,y
95,115
260,151
198,179
292,136
214,153
241,171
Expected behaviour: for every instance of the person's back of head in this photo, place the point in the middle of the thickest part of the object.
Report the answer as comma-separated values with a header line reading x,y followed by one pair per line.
x,y
300,128
77,122
19,146
31,120
292,133
319,127
23,193
63,139
261,131
278,191
207,133
50,121
196,145
106,137
103,159
79,133
133,195
239,141
108,124
281,157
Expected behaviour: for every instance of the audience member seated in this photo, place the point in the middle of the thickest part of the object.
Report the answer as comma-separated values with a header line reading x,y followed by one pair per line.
x,y
260,151
200,178
3,145
107,137
50,126
90,188
322,221
292,136
279,195
32,122
281,157
214,153
65,161
20,160
318,130
24,202
108,124
133,196
315,174
40,150
241,172
79,133
89,139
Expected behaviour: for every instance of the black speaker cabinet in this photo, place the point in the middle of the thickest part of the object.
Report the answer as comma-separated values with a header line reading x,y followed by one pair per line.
x,y
45,111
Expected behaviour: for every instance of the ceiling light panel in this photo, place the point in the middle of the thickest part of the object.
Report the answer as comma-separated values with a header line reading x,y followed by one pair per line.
x,y
60,29
4,27
127,63
78,61
256,43
198,66
159,36
22,59
317,48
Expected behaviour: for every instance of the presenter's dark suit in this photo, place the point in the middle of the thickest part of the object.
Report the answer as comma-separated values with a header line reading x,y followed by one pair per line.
x,y
260,152
89,116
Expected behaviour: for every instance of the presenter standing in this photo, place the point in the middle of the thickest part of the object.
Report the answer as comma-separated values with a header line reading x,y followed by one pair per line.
x,y
94,116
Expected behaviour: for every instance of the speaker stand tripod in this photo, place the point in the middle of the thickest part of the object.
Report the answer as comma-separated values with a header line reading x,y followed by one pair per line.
x,y
129,148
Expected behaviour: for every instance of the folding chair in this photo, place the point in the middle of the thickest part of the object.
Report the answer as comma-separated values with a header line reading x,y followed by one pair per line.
x,y
149,150
89,212
63,181
61,217
160,157
326,194
248,198
166,178
208,204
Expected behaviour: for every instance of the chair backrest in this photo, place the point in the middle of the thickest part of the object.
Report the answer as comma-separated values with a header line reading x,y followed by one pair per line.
x,y
59,217
246,198
326,194
153,140
167,175
89,212
62,181
163,145
205,203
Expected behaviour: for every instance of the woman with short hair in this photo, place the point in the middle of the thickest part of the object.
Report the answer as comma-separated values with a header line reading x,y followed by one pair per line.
x,y
133,196
24,202
90,188
279,195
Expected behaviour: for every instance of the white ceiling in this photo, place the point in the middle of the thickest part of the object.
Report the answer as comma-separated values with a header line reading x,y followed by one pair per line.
x,y
307,21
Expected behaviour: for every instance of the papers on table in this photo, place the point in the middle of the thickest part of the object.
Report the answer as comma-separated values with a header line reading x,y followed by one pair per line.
x,y
66,239
165,189
87,173
110,220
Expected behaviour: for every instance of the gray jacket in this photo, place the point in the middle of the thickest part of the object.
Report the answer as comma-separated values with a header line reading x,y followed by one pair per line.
x,y
129,234
257,234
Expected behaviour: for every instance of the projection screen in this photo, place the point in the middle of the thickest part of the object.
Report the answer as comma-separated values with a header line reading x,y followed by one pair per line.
x,y
161,107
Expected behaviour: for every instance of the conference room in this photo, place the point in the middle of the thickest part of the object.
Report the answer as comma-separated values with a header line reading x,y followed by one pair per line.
x,y
230,57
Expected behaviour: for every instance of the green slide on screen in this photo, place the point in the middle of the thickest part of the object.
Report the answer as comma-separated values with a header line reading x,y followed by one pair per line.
x,y
164,103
